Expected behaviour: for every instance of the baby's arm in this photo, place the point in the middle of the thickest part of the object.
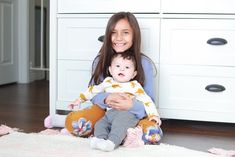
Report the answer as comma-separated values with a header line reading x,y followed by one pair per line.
x,y
87,95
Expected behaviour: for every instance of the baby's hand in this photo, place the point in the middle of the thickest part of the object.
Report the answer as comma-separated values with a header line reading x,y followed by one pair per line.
x,y
75,105
156,119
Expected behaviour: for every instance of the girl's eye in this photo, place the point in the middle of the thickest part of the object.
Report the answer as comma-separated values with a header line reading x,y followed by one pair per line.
x,y
117,66
127,67
126,32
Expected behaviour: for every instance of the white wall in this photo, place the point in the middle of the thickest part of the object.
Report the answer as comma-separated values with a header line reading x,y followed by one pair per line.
x,y
23,48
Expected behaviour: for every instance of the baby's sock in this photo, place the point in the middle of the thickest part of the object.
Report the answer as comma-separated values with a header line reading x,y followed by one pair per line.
x,y
95,142
106,145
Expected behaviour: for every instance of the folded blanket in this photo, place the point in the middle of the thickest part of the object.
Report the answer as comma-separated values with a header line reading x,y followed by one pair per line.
x,y
220,151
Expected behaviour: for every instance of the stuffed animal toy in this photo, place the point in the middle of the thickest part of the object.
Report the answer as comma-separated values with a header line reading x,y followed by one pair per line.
x,y
81,123
152,133
134,137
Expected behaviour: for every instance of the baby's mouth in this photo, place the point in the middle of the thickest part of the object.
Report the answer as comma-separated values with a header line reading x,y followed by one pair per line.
x,y
121,74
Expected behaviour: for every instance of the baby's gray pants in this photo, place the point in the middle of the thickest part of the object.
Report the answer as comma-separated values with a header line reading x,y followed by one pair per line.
x,y
113,126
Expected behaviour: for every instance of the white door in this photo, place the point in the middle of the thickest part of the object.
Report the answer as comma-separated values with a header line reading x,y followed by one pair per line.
x,y
8,58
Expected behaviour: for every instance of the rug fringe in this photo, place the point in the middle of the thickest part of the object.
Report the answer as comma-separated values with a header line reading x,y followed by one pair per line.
x,y
7,130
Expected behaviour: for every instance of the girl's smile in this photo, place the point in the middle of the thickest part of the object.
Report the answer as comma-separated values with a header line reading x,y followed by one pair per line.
x,y
122,36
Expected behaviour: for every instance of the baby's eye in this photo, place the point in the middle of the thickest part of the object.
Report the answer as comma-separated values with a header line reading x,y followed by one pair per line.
x,y
117,66
127,67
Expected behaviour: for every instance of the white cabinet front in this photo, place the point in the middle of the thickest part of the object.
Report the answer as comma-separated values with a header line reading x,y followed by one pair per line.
x,y
78,37
108,6
198,42
198,6
73,78
197,89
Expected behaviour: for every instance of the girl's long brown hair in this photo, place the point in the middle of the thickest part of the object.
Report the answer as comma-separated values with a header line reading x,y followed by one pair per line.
x,y
106,52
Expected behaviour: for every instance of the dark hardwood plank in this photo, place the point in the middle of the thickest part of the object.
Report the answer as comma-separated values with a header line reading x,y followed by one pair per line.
x,y
199,127
24,106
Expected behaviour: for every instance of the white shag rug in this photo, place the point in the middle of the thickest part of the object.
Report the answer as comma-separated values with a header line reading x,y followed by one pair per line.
x,y
18,144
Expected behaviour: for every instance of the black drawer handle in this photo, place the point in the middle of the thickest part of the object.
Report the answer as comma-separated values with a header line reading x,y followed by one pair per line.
x,y
215,88
101,38
217,41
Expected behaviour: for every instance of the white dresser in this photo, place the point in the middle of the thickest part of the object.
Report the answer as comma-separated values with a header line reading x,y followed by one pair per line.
x,y
197,60
192,46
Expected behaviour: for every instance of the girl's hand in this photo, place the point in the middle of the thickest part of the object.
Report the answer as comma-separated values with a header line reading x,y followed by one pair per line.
x,y
156,119
119,101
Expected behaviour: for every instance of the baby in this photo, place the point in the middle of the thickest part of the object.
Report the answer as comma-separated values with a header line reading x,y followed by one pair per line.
x,y
110,130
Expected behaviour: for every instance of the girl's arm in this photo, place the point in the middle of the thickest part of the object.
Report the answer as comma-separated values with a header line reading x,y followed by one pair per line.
x,y
149,73
136,108
99,99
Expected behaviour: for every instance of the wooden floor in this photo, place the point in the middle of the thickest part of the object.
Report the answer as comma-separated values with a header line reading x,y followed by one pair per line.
x,y
25,106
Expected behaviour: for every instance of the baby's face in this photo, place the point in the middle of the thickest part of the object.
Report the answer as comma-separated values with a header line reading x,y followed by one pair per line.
x,y
122,70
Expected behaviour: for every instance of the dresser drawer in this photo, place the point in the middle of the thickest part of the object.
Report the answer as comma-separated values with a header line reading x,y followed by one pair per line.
x,y
76,35
198,6
197,88
73,78
108,6
198,42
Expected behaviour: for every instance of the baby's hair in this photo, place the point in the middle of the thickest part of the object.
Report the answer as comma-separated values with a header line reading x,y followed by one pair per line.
x,y
125,55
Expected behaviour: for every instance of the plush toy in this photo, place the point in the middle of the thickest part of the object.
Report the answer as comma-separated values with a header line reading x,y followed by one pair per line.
x,y
81,123
152,133
134,137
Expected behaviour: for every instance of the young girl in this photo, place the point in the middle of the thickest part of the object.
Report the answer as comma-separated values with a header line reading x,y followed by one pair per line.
x,y
110,130
123,33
